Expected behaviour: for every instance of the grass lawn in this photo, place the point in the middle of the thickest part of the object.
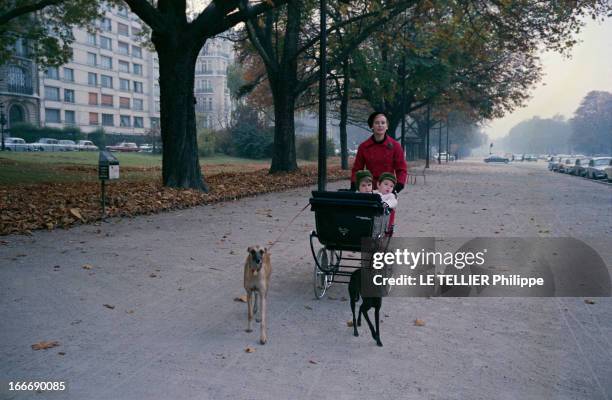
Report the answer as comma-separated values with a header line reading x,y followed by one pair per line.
x,y
49,167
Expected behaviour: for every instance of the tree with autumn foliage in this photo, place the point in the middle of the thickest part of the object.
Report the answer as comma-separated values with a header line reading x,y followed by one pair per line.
x,y
592,124
286,41
178,38
42,29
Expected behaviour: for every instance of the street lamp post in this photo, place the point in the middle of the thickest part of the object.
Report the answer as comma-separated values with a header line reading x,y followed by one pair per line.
x,y
2,123
447,143
440,142
322,175
427,136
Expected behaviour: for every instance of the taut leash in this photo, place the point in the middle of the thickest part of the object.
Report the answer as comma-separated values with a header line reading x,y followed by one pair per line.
x,y
287,226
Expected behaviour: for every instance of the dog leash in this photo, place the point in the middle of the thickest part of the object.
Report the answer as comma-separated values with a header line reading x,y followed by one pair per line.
x,y
287,226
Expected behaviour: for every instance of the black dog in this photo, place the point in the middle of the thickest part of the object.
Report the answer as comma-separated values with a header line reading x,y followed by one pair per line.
x,y
366,304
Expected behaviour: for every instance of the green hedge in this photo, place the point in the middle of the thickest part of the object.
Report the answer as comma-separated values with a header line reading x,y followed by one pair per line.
x,y
307,147
252,142
31,133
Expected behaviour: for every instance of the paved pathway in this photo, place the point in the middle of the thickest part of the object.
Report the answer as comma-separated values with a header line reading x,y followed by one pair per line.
x,y
176,333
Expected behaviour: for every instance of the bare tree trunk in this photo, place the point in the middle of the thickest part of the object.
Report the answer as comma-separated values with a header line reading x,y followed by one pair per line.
x,y
344,116
283,153
180,166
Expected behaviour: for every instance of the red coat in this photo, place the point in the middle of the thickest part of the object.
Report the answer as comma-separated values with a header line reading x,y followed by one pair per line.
x,y
387,156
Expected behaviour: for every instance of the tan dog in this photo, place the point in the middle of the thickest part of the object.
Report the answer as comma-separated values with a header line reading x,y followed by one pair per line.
x,y
257,270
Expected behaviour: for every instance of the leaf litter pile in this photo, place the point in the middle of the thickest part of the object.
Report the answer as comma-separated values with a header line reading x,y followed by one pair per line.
x,y
24,208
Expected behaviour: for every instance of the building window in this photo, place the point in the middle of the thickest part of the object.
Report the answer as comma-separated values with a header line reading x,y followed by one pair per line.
x,y
68,95
91,39
93,99
154,122
124,66
106,62
123,48
124,120
136,31
92,59
106,43
157,106
138,104
92,79
124,102
138,122
68,74
106,81
69,117
106,100
108,120
19,80
52,93
123,29
106,25
122,12
52,115
93,118
210,104
52,73
156,89
138,69
137,87
21,49
136,51
124,85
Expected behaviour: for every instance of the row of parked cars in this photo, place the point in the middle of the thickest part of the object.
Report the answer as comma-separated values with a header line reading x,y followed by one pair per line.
x,y
588,167
48,144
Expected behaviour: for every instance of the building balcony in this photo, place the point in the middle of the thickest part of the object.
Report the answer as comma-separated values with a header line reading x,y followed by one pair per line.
x,y
203,90
22,89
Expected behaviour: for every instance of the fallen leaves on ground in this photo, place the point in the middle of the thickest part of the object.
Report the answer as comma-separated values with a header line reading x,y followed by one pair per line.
x,y
249,350
44,345
109,306
87,266
24,208
242,299
589,301
312,362
349,323
419,322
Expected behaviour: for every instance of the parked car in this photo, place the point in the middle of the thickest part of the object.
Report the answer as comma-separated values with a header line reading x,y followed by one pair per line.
x,y
86,145
497,159
565,163
518,157
531,157
148,148
125,147
579,168
16,144
69,145
608,171
553,165
597,166
47,144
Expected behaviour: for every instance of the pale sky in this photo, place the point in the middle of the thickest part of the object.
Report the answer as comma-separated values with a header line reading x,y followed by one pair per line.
x,y
566,81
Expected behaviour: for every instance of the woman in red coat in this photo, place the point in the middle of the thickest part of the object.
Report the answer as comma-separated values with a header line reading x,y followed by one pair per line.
x,y
381,153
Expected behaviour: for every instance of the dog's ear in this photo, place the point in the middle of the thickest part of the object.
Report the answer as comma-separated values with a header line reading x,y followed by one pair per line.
x,y
266,250
249,249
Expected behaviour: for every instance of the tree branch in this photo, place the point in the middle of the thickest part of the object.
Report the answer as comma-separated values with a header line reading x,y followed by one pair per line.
x,y
148,14
25,9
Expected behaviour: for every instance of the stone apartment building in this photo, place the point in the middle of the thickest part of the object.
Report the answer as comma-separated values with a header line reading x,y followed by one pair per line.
x,y
19,88
111,82
213,105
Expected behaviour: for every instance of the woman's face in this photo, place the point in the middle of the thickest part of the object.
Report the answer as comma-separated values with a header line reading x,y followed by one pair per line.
x,y
379,126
